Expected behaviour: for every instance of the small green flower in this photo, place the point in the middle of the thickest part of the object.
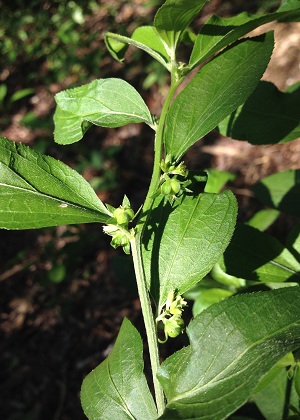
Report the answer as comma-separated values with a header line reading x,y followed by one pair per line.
x,y
171,314
117,227
173,326
123,215
168,166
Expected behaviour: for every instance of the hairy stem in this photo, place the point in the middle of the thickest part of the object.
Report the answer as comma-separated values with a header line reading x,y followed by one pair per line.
x,y
137,256
158,149
148,320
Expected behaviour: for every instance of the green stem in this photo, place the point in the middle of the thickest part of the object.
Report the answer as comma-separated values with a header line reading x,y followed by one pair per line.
x,y
288,392
158,148
137,256
148,320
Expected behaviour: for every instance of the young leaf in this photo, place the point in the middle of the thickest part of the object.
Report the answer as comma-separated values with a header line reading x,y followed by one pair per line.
x,y
105,102
268,116
280,191
182,242
173,17
219,32
145,38
233,344
254,255
38,191
117,388
216,90
149,37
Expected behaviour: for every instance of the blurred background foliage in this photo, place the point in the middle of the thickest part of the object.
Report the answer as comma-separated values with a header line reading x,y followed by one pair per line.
x,y
64,291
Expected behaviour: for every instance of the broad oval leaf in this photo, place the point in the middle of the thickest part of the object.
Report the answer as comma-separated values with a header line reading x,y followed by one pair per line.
x,y
38,191
267,117
182,243
117,388
233,344
218,32
280,191
216,90
255,255
173,17
104,102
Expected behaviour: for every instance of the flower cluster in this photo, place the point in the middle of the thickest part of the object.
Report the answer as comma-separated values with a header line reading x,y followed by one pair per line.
x,y
171,316
172,178
117,226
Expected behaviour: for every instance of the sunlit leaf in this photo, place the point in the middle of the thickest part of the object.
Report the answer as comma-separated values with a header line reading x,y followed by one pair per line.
x,y
104,102
117,388
38,191
219,32
280,191
173,17
234,343
216,90
263,219
182,242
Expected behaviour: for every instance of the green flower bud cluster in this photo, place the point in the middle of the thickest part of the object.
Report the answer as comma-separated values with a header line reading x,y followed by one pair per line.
x,y
117,226
171,186
123,215
171,316
168,166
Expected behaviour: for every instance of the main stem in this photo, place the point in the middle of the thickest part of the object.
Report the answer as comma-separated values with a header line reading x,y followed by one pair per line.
x,y
137,256
148,320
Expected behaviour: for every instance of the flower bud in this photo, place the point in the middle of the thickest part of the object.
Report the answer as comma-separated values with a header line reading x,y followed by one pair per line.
x,y
123,215
175,186
173,326
166,187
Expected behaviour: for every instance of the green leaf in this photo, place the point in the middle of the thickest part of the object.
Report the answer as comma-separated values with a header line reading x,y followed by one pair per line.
x,y
233,344
216,90
219,32
209,296
173,17
117,45
149,37
117,388
263,219
268,116
297,382
270,400
280,191
217,180
287,5
192,235
38,191
145,38
254,255
293,241
104,102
